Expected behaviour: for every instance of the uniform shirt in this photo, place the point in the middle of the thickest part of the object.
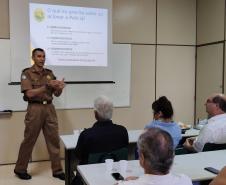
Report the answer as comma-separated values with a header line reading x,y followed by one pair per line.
x,y
213,132
169,179
172,128
104,136
32,79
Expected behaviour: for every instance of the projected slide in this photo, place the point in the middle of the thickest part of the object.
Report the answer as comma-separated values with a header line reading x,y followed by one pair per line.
x,y
71,36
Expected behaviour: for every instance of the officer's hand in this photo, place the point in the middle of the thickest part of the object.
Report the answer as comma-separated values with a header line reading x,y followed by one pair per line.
x,y
61,84
53,83
57,84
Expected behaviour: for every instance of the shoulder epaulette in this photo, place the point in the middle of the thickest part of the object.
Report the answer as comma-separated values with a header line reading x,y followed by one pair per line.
x,y
25,69
48,70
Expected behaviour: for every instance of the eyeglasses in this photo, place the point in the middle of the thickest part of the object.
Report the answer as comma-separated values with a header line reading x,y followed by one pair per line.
x,y
209,101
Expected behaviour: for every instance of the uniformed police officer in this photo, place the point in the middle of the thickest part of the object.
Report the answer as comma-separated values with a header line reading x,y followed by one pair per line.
x,y
38,85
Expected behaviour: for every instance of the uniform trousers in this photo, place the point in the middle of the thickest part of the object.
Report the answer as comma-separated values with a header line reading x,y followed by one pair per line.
x,y
40,117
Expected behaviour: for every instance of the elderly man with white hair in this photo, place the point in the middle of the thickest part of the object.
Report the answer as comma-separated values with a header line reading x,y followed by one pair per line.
x,y
104,135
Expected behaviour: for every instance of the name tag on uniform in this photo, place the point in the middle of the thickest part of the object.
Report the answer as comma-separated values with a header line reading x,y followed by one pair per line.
x,y
48,77
23,77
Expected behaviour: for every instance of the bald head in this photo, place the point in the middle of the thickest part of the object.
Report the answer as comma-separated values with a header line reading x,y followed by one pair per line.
x,y
216,104
155,146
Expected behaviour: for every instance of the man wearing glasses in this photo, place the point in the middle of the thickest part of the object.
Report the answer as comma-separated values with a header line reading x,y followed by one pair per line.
x,y
215,129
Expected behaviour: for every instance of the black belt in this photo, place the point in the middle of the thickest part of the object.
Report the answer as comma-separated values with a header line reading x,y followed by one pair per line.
x,y
40,102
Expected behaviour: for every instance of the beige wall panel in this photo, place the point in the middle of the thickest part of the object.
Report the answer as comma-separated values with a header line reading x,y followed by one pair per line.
x,y
209,75
11,135
142,89
142,84
176,79
4,19
210,20
176,22
224,90
10,129
134,21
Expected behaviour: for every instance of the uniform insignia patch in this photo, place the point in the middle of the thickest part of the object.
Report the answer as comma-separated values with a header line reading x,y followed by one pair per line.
x,y
48,77
23,77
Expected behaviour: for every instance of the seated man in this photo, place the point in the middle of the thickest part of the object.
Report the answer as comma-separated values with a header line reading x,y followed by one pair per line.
x,y
104,135
155,147
215,129
220,179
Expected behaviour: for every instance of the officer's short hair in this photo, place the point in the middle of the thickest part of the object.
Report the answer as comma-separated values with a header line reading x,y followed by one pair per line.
x,y
104,107
156,145
35,50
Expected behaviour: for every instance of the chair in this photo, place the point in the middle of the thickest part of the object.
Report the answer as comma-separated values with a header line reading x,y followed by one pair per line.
x,y
116,155
182,151
213,146
207,147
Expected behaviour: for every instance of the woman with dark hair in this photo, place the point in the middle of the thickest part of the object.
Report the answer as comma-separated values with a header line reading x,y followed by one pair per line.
x,y
163,119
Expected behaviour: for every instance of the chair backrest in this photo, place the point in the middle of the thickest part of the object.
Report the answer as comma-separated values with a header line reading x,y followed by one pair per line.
x,y
182,151
116,155
213,146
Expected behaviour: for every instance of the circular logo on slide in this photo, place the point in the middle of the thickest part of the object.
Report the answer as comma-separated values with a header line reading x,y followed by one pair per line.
x,y
39,15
